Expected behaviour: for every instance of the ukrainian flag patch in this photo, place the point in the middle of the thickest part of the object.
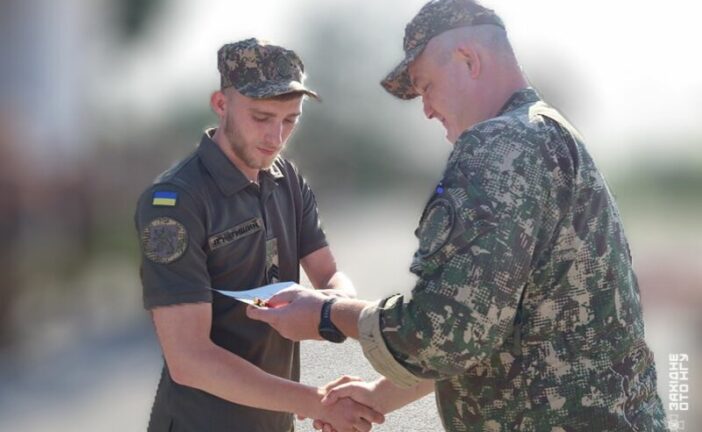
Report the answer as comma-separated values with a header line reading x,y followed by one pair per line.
x,y
165,199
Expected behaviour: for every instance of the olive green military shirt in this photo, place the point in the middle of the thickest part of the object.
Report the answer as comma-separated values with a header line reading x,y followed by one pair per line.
x,y
204,225
526,311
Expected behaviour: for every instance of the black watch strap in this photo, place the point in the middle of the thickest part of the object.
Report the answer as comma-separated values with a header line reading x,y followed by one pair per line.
x,y
327,329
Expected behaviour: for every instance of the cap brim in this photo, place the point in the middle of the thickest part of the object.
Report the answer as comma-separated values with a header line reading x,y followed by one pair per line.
x,y
398,82
272,89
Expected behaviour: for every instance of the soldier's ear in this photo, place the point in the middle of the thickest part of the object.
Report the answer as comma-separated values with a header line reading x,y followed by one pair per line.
x,y
469,55
218,103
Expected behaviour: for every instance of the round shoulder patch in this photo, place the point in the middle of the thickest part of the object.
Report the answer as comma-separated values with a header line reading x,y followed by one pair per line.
x,y
164,240
435,227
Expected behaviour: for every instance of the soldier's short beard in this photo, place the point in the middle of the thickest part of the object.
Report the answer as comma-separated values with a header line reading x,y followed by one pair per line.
x,y
238,145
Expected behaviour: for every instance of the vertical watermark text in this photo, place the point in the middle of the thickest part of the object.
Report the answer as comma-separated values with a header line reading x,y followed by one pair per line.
x,y
678,390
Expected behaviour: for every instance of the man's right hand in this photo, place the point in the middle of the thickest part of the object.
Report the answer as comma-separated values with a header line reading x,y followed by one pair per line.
x,y
360,391
381,395
345,414
343,391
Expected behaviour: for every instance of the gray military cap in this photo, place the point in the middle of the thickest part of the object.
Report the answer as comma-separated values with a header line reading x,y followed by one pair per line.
x,y
261,70
434,18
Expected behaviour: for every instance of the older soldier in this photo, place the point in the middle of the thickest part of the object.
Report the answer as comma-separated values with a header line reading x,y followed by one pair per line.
x,y
526,312
234,215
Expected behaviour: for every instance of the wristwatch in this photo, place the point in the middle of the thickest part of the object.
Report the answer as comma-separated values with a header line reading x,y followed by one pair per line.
x,y
327,329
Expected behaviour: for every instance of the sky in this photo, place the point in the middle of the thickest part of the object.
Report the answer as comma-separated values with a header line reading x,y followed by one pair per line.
x,y
630,67
631,70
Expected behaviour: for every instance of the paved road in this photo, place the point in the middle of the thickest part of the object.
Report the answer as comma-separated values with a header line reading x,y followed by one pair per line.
x,y
323,362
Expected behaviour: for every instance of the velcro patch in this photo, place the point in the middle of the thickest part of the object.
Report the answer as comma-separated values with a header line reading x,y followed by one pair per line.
x,y
435,228
164,199
164,240
242,230
272,269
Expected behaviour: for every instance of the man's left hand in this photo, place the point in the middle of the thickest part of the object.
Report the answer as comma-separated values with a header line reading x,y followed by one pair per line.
x,y
293,312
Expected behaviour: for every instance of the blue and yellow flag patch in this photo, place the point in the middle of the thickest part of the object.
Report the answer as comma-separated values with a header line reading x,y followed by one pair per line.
x,y
165,199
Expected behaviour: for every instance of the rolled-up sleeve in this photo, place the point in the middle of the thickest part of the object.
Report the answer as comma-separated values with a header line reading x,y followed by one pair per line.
x,y
377,352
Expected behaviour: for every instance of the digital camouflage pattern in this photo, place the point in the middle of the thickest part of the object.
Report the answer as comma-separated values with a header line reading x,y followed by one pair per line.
x,y
260,70
439,217
434,18
526,311
164,240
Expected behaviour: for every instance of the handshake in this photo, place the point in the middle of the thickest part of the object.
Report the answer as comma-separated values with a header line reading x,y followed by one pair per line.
x,y
349,404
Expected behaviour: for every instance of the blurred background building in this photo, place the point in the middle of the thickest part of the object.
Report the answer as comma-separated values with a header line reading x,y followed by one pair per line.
x,y
98,97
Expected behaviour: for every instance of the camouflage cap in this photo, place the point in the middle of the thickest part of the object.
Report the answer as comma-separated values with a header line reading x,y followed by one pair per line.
x,y
261,70
434,18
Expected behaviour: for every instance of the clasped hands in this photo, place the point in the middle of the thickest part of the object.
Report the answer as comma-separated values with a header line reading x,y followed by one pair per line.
x,y
349,405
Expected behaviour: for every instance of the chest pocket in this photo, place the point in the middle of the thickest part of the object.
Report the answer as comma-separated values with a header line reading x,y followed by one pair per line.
x,y
239,250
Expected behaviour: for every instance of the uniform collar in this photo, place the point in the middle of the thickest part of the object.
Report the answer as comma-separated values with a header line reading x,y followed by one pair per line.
x,y
228,176
519,98
525,96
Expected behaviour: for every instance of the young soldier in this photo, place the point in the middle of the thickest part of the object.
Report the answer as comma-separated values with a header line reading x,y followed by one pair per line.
x,y
235,215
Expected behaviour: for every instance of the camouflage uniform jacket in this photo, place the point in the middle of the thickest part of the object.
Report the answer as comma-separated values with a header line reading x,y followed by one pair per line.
x,y
526,312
